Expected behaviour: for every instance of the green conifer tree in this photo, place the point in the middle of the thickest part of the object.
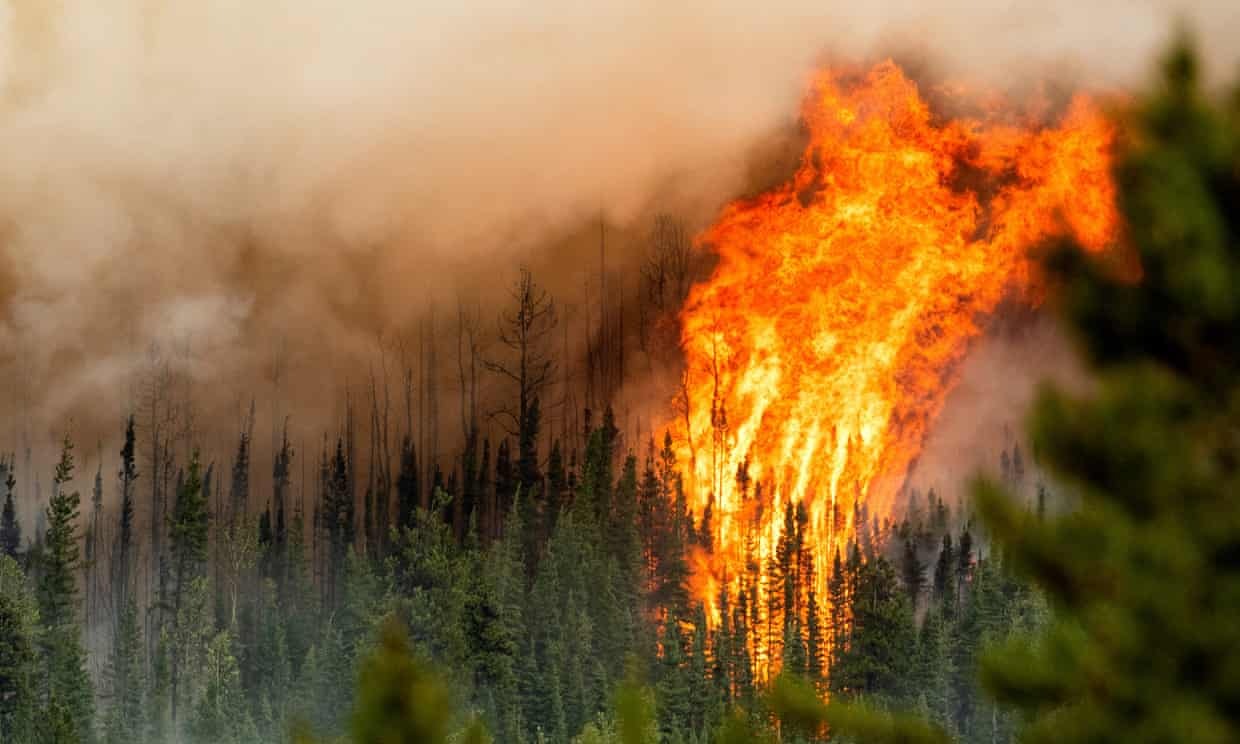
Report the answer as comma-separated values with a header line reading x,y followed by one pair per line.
x,y
188,532
673,690
1143,571
19,667
67,685
124,722
10,527
221,715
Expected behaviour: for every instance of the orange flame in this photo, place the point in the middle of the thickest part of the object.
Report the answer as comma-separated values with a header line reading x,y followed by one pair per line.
x,y
826,340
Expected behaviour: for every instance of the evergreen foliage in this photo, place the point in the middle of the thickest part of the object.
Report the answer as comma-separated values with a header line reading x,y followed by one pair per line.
x,y
1142,574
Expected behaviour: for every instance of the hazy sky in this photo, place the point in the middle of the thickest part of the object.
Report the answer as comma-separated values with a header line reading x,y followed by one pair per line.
x,y
231,171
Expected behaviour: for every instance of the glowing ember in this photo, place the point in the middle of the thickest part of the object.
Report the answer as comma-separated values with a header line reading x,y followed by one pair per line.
x,y
826,341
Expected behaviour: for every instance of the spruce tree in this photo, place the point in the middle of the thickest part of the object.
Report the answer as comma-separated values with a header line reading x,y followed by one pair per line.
x,y
157,708
67,685
674,705
557,483
281,485
187,535
125,551
877,662
815,640
933,672
123,722
10,528
913,572
504,578
408,499
337,516
19,666
221,715
704,697
944,568
838,617
964,563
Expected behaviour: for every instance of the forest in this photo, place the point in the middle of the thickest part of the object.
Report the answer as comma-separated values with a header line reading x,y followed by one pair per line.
x,y
387,585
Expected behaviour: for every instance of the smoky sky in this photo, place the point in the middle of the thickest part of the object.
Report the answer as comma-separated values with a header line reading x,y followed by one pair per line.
x,y
230,173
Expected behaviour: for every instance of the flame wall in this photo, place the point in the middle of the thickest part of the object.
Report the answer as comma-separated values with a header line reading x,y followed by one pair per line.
x,y
825,342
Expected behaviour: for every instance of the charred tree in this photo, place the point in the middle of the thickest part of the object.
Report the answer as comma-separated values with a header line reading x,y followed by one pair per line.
x,y
525,331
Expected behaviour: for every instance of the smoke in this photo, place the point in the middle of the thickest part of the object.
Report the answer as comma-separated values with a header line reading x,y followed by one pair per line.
x,y
984,414
229,178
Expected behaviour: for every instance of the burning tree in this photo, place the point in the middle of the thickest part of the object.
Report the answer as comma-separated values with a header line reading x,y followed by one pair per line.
x,y
827,338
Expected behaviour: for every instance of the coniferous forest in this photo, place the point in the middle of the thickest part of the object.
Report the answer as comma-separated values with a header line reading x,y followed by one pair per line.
x,y
537,583
384,586
535,593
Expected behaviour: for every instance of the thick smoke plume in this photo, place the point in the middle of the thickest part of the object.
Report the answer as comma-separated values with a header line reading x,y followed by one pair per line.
x,y
235,177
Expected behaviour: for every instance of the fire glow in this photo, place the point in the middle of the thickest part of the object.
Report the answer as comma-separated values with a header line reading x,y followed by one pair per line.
x,y
827,338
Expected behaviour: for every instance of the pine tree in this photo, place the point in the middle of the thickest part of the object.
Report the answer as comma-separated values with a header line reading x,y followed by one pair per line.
x,y
125,551
704,697
651,512
506,482
298,606
524,330
541,682
157,708
673,535
815,640
944,570
61,555
742,665
337,515
239,487
187,535
622,538
221,715
281,484
93,540
964,563
877,662
276,686
123,723
838,598
795,658
10,528
504,578
19,703
407,489
584,684
67,685
934,668
557,483
56,725
672,692
527,446
913,572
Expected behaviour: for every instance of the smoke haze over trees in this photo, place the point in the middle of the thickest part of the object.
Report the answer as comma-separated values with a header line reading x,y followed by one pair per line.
x,y
336,344
242,184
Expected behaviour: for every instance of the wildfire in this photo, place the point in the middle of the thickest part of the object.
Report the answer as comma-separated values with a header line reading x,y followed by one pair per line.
x,y
827,338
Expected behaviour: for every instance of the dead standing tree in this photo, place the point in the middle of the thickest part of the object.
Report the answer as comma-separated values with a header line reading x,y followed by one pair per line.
x,y
665,278
473,473
525,329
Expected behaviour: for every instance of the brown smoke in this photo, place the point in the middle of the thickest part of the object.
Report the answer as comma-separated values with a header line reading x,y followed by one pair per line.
x,y
234,178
